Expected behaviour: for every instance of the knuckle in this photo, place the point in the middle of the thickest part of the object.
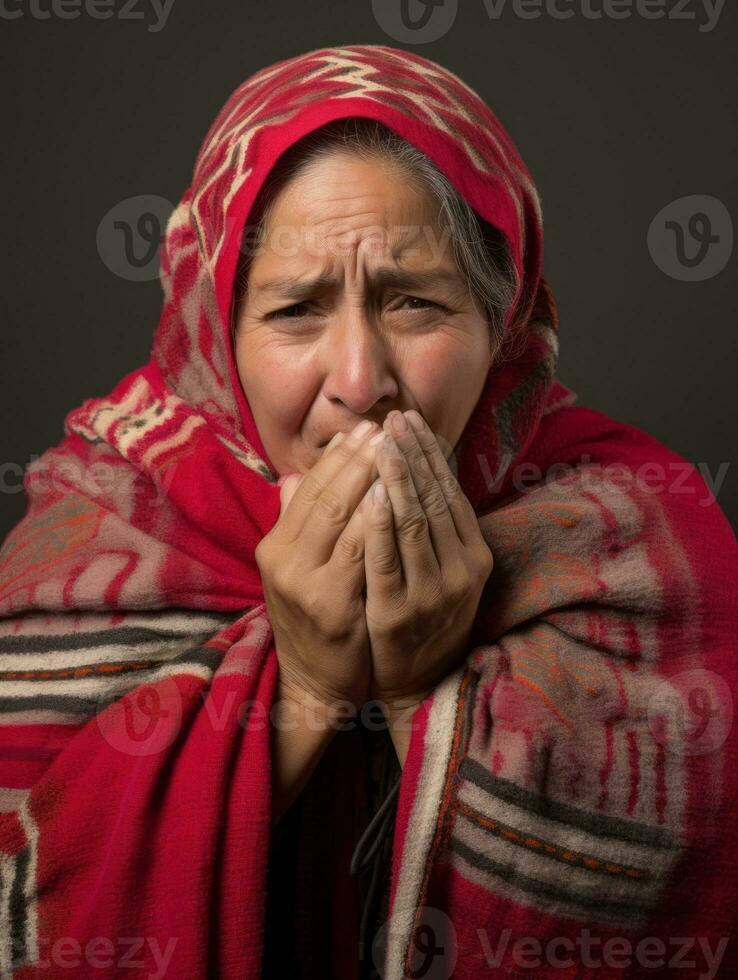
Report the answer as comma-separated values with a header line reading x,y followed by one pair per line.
x,y
263,552
485,561
313,606
333,507
413,526
311,488
386,562
333,628
459,588
433,500
416,458
450,486
349,549
281,579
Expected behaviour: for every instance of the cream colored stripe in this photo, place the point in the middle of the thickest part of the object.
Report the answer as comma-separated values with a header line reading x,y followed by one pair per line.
x,y
563,835
131,434
11,798
172,441
92,687
30,892
110,412
45,717
90,621
422,823
7,875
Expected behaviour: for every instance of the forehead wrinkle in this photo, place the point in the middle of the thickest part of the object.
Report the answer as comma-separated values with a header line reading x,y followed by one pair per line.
x,y
298,287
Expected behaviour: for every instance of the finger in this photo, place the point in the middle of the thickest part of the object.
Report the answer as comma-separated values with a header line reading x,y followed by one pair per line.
x,y
335,456
458,503
382,565
412,535
346,565
338,500
446,542
292,518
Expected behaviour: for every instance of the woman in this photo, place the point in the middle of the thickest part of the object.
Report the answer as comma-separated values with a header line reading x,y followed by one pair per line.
x,y
235,626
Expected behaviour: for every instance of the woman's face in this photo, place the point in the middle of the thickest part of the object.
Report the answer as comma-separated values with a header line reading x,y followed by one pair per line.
x,y
354,307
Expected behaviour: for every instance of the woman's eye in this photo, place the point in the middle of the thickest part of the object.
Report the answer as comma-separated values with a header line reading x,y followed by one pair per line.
x,y
287,311
299,310
420,299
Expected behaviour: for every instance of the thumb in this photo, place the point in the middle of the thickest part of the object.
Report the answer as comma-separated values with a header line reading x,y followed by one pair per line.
x,y
288,486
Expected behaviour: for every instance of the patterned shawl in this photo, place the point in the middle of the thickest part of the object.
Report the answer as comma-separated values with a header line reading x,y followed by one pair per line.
x,y
575,775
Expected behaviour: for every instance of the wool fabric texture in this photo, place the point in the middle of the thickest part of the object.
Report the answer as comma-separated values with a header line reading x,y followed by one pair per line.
x,y
564,779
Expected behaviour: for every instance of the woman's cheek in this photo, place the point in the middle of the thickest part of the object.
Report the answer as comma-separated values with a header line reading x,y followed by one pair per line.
x,y
442,379
433,381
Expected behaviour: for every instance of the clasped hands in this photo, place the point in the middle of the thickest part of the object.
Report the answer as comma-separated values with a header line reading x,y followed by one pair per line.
x,y
374,569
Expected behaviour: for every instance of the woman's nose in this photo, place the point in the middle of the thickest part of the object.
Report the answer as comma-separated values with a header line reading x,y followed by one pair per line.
x,y
359,369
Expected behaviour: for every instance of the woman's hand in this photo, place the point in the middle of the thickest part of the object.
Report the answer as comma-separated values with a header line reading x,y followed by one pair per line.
x,y
312,569
426,565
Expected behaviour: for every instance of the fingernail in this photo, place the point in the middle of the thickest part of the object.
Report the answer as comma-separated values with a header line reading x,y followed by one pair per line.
x,y
361,429
376,438
335,440
415,420
398,422
380,495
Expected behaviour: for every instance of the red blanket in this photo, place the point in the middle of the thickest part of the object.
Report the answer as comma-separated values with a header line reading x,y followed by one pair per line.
x,y
568,803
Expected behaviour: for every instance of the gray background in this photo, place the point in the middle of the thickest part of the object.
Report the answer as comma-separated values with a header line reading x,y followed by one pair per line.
x,y
614,118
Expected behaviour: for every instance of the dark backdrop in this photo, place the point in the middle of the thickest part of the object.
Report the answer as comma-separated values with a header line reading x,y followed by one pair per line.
x,y
617,119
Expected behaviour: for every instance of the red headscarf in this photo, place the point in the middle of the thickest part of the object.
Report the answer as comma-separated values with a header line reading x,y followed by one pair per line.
x,y
544,788
431,108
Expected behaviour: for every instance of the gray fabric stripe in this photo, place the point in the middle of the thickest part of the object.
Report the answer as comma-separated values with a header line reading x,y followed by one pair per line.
x,y
17,909
159,650
581,884
564,835
595,823
79,641
629,910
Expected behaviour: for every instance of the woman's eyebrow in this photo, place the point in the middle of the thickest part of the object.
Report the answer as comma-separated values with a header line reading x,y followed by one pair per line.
x,y
295,289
